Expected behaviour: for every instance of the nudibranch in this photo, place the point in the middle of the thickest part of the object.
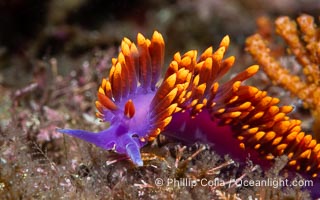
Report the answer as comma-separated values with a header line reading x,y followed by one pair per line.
x,y
192,104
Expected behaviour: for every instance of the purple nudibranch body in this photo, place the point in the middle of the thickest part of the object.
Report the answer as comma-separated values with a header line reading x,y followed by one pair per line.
x,y
192,104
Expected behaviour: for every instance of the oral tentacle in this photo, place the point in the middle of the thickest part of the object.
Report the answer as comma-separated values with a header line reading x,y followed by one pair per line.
x,y
133,151
104,139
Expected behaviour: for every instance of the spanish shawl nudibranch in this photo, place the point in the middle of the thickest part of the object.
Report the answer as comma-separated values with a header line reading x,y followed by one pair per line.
x,y
191,104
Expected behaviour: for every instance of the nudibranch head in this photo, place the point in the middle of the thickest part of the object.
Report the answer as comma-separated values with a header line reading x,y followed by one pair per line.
x,y
130,100
192,104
